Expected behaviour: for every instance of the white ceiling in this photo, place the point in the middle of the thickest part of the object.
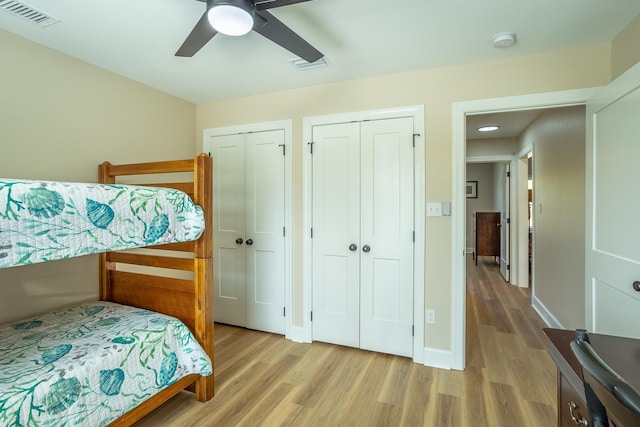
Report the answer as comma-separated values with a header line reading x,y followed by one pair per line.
x,y
138,38
512,124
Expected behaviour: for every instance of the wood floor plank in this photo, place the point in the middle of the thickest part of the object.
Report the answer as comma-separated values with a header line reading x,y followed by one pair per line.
x,y
267,405
525,330
448,411
506,405
320,381
264,380
359,403
474,401
419,393
394,385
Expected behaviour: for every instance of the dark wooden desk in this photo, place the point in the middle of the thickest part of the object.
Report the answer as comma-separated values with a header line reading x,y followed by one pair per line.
x,y
621,354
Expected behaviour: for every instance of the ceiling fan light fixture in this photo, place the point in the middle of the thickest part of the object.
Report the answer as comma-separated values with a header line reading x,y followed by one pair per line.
x,y
231,17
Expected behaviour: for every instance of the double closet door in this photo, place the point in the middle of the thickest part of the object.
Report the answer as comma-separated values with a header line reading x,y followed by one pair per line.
x,y
248,235
363,234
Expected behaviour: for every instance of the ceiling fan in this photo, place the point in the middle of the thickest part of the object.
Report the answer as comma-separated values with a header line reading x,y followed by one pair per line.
x,y
238,17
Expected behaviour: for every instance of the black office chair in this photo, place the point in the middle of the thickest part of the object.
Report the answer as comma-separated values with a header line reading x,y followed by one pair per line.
x,y
606,392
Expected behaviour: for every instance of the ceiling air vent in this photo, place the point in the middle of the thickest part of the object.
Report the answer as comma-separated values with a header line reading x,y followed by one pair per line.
x,y
28,13
304,65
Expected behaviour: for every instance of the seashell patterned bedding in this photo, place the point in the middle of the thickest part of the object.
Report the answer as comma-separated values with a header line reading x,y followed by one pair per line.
x,y
43,221
90,363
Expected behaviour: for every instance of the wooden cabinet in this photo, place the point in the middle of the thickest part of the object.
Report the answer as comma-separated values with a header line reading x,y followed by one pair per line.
x,y
487,234
572,406
621,354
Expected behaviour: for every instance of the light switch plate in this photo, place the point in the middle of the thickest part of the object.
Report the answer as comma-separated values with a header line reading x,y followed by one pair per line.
x,y
434,209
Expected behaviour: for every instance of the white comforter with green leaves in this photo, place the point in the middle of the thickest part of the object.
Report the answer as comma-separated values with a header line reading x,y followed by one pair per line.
x,y
42,221
89,364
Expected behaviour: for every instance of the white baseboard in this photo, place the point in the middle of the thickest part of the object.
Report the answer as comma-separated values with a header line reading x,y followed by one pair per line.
x,y
545,314
437,358
296,334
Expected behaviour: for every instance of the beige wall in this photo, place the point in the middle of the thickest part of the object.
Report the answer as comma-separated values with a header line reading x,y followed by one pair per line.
x,y
60,118
625,49
436,89
491,147
558,140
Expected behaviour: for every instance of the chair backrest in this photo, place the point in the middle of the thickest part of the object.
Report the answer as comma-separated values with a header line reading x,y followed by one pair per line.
x,y
620,401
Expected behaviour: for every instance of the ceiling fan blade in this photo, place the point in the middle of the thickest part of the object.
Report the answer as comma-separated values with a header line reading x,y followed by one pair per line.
x,y
277,32
199,36
270,4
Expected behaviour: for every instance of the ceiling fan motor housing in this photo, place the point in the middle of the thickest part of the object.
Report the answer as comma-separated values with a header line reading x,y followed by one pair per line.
x,y
246,5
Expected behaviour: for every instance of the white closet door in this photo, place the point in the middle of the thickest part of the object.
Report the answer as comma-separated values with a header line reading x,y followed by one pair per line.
x,y
228,152
248,235
363,235
336,226
264,228
386,280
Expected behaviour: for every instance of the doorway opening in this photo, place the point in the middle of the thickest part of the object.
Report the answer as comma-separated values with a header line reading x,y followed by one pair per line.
x,y
461,111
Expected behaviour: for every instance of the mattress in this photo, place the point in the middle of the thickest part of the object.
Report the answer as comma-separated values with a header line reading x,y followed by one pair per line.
x,y
91,363
43,221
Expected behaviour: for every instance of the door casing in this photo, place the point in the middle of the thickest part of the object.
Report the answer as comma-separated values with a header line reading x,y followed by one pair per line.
x,y
304,333
458,247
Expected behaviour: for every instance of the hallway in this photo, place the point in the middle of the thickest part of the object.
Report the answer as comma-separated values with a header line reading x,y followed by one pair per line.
x,y
507,351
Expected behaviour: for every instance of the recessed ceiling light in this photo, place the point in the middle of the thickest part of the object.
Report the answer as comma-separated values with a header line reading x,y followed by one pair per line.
x,y
488,128
503,40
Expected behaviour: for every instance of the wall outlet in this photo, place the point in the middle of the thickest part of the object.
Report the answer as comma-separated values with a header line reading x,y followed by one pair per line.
x,y
431,316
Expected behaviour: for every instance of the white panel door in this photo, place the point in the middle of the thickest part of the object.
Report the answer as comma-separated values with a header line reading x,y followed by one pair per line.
x,y
228,152
363,235
336,226
505,223
386,235
249,225
265,230
613,203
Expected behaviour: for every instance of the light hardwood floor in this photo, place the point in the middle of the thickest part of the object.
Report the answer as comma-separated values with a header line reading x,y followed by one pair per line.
x,y
264,380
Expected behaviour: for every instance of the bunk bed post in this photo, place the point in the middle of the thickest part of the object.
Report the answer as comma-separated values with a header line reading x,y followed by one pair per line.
x,y
104,177
114,286
203,259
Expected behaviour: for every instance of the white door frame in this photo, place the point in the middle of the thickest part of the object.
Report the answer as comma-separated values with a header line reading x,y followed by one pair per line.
x,y
287,126
417,113
458,252
521,225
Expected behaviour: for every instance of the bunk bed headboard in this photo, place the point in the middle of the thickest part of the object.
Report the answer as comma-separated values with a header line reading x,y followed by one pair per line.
x,y
190,300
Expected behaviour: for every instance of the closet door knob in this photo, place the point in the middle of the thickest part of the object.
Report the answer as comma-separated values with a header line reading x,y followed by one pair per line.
x,y
366,248
353,247
249,242
636,286
239,240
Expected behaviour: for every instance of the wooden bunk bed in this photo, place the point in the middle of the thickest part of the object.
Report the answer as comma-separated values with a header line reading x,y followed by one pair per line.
x,y
147,279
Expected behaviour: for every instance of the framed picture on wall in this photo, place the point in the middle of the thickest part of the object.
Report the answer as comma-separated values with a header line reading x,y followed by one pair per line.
x,y
472,189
